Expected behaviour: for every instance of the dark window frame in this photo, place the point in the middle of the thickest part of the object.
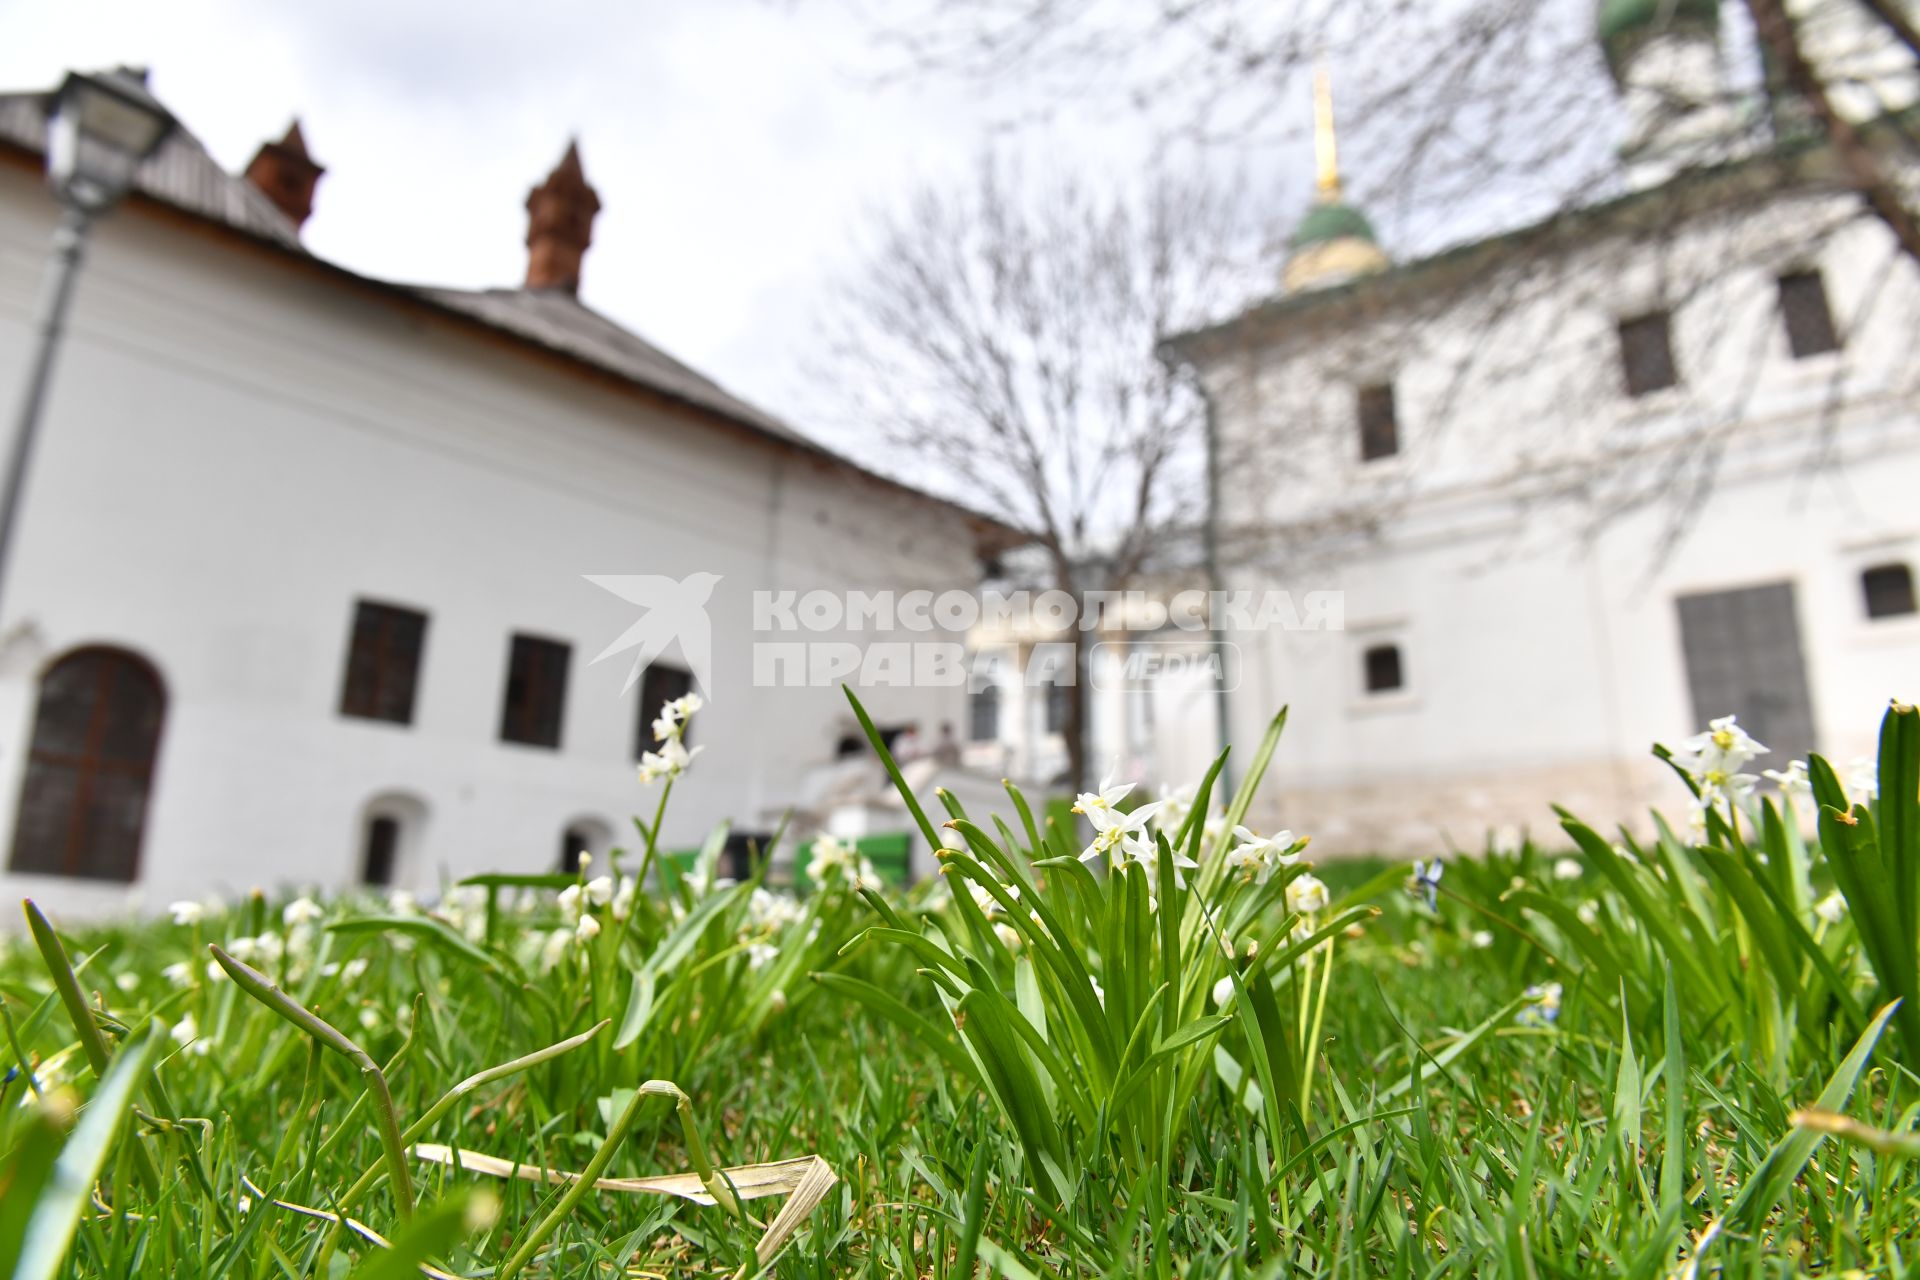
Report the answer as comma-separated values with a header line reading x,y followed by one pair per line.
x,y
121,681
386,647
1887,591
660,683
1806,314
1378,418
533,704
1647,361
1383,669
983,704
380,849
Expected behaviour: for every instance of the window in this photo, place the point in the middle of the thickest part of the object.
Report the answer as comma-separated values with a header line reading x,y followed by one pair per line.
x,y
381,851
83,799
659,685
1379,429
383,662
573,843
984,719
1803,305
1059,707
1383,673
1888,589
1646,353
536,692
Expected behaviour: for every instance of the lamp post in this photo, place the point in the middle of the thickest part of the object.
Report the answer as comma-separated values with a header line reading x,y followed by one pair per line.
x,y
100,130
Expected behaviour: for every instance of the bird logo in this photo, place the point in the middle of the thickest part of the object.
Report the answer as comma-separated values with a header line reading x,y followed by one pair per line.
x,y
673,609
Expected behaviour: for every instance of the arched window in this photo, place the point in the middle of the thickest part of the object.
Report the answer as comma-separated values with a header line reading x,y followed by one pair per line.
x,y
382,850
985,720
83,801
390,831
583,835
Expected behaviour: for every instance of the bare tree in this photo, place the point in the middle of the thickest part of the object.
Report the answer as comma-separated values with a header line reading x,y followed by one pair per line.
x,y
1003,337
1499,122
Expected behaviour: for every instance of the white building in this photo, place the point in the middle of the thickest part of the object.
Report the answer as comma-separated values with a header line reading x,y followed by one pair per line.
x,y
1587,484
297,592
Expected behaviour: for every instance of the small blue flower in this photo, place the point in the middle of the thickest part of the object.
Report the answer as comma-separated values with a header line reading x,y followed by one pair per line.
x,y
1426,881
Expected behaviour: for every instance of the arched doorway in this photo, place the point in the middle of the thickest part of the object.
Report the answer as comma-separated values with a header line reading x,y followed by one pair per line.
x,y
89,775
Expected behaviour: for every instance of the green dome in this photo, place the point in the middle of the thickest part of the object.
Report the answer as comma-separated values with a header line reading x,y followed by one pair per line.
x,y
1623,19
1332,222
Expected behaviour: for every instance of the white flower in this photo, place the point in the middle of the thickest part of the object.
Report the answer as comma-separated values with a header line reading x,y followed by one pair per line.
x,y
187,912
670,761
1009,936
600,890
1831,908
554,948
402,903
1480,940
370,1018
1568,869
587,929
246,1204
831,860
1175,804
353,968
568,900
1223,993
1124,838
1722,749
179,973
1863,781
1791,780
623,898
1588,913
301,911
186,1033
127,981
1100,807
1306,895
769,912
671,723
1257,857
761,954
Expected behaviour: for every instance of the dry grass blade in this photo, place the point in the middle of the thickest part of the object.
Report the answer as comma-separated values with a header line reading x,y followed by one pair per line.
x,y
750,1181
804,1181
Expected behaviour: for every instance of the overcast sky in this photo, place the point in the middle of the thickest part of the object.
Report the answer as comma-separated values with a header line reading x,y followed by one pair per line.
x,y
735,143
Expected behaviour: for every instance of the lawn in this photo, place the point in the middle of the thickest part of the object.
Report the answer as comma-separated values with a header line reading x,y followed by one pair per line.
x,y
1186,1054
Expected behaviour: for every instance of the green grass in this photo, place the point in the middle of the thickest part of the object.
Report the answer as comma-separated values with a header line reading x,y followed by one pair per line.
x,y
1036,1083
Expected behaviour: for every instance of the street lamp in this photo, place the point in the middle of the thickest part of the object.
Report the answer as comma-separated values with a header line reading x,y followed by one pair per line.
x,y
100,130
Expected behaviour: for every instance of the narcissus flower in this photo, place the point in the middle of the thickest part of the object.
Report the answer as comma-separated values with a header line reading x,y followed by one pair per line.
x,y
1306,895
1791,780
670,761
1831,908
1101,807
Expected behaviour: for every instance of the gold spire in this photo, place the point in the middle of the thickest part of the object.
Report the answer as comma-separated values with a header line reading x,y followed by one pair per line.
x,y
1325,152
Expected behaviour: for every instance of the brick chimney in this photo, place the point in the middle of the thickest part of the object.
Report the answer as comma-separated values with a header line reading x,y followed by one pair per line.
x,y
287,174
560,214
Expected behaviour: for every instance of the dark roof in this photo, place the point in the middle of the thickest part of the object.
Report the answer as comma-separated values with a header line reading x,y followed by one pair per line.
x,y
560,322
182,175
